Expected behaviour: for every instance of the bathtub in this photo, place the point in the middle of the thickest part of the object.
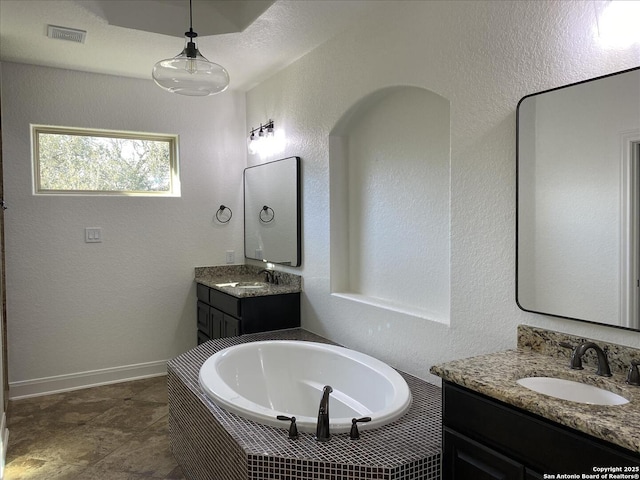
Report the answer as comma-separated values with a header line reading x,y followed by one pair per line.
x,y
261,380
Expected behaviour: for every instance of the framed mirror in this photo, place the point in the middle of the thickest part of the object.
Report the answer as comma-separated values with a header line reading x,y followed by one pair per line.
x,y
578,201
272,217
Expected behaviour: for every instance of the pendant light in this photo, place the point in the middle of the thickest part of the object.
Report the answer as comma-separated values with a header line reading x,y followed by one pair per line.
x,y
189,73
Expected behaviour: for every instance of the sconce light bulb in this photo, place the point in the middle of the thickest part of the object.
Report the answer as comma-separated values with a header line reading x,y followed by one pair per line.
x,y
252,143
618,24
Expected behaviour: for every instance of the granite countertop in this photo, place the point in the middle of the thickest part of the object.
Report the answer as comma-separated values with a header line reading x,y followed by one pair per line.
x,y
495,375
217,277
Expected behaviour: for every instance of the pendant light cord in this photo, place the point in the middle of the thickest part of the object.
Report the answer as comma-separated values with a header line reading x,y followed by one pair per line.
x,y
190,34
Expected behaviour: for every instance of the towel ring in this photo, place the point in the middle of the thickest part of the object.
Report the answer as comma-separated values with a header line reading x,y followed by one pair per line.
x,y
266,214
221,212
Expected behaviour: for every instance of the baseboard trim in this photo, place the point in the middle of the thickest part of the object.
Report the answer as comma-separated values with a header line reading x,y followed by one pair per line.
x,y
93,378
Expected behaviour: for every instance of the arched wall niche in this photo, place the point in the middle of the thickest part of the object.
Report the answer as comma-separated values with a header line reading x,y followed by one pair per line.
x,y
390,202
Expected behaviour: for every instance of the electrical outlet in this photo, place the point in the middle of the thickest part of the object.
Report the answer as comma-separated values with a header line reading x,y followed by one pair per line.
x,y
231,256
93,235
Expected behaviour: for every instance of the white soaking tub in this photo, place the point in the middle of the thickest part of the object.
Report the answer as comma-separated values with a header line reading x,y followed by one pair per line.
x,y
261,380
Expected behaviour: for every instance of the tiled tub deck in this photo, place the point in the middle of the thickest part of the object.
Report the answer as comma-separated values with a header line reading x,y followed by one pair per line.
x,y
213,444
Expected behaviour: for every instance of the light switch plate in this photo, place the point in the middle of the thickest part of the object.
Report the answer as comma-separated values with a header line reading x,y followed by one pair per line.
x,y
93,235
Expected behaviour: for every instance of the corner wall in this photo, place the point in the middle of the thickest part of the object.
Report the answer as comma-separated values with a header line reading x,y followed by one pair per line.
x,y
82,313
483,56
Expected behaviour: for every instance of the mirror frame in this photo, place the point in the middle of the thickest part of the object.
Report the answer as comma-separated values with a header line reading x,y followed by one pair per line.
x,y
298,212
518,198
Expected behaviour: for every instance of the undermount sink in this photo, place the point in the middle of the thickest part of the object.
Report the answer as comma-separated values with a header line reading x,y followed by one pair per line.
x,y
251,285
572,391
244,285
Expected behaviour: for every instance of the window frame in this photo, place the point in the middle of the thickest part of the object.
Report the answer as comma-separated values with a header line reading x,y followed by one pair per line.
x,y
172,139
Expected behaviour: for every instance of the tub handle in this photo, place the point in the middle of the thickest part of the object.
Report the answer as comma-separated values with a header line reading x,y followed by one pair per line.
x,y
354,434
293,429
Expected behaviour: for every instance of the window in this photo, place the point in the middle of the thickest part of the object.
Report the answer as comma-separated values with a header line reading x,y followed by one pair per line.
x,y
104,162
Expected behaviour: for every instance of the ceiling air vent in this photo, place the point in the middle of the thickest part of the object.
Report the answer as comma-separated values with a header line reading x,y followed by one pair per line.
x,y
65,33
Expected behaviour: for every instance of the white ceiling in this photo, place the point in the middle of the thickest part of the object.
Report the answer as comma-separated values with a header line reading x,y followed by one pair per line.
x,y
126,37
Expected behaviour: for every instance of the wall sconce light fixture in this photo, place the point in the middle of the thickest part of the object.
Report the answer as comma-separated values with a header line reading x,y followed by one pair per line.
x,y
256,141
265,140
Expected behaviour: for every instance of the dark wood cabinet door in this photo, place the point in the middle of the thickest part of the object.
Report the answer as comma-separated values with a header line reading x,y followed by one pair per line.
x,y
203,318
465,459
217,323
531,475
231,326
202,337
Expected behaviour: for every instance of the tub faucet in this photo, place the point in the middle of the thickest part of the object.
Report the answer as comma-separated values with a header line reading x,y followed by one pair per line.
x,y
603,364
322,429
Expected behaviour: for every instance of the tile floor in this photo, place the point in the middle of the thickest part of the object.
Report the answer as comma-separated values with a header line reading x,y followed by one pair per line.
x,y
112,432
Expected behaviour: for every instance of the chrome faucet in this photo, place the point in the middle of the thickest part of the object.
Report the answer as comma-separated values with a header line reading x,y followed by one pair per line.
x,y
580,350
322,429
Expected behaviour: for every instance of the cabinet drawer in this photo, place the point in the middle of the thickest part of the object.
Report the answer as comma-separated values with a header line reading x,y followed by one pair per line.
x,y
226,303
202,292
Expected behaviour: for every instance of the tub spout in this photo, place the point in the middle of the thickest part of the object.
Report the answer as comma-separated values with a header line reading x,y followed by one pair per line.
x,y
322,429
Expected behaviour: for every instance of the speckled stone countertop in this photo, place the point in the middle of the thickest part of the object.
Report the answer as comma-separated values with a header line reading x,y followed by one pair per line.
x,y
215,277
540,355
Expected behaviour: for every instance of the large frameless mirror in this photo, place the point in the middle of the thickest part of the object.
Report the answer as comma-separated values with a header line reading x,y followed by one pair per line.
x,y
272,220
578,201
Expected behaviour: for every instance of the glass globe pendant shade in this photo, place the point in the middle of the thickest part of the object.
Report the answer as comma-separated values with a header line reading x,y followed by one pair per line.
x,y
190,73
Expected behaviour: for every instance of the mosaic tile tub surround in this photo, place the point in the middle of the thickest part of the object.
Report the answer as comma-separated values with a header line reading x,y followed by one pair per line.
x,y
213,444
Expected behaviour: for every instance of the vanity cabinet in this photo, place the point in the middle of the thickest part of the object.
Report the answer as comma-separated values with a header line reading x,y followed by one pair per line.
x,y
213,323
485,439
222,315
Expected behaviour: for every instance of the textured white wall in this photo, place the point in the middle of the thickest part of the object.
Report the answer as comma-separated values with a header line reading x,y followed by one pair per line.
x,y
483,57
75,307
